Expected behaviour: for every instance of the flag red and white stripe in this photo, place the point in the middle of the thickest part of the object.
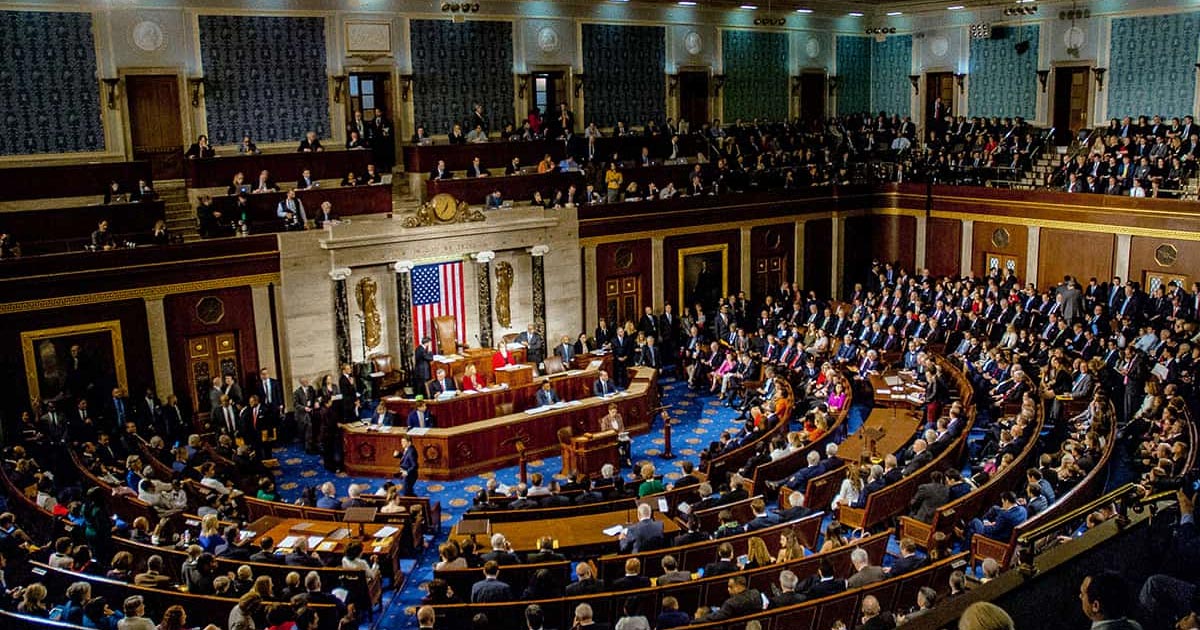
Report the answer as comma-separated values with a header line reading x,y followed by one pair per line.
x,y
438,291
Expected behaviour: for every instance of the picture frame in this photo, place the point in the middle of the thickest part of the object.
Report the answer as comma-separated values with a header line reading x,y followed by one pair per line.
x,y
72,362
698,280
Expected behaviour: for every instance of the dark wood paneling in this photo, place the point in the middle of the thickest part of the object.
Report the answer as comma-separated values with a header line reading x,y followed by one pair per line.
x,y
73,225
637,253
984,241
1141,258
182,322
894,239
772,243
349,201
284,167
74,180
1079,254
132,315
943,246
858,248
672,245
818,255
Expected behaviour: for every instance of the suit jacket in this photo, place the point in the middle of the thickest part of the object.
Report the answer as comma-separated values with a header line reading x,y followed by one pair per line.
x,y
447,384
762,522
566,352
747,602
603,388
1004,522
674,577
917,461
866,575
486,591
903,565
545,398
584,587
220,423
929,497
275,391
408,461
720,567
630,582
882,621
643,536
414,419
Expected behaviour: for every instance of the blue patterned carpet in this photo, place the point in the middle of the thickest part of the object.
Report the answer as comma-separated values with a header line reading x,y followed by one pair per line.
x,y
700,420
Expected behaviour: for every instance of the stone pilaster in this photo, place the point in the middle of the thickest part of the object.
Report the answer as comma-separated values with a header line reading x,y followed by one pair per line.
x,y
539,286
341,313
483,290
404,322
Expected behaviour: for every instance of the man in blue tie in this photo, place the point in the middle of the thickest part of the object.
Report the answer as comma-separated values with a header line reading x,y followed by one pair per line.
x,y
546,395
604,386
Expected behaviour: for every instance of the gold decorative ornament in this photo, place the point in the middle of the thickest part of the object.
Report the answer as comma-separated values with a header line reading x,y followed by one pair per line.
x,y
1001,237
504,280
1166,254
442,209
365,293
210,310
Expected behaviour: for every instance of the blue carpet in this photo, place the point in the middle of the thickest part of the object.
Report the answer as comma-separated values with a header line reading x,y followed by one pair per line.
x,y
700,420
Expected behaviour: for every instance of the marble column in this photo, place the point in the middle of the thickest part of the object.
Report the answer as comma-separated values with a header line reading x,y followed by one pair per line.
x,y
657,282
1032,248
539,286
160,352
968,247
483,289
404,322
341,313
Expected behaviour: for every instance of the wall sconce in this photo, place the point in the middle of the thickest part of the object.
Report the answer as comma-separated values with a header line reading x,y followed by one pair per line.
x,y
1043,76
339,80
832,84
1100,77
718,83
915,80
672,84
406,81
579,81
796,85
524,81
196,83
960,79
111,84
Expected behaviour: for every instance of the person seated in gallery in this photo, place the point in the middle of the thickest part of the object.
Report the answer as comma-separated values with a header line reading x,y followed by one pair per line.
x,y
420,136
265,184
442,384
247,147
325,216
419,417
502,357
307,181
495,199
115,193
291,210
350,180
372,176
546,396
200,149
310,144
440,172
102,237
356,142
456,135
472,381
477,169
143,192
237,184
477,135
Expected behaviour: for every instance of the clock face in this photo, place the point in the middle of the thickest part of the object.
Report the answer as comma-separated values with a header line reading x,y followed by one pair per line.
x,y
1166,254
624,258
444,207
210,310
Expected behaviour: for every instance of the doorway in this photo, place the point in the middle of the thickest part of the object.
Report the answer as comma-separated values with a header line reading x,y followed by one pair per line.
x,y
769,273
368,91
623,299
155,122
1071,94
812,96
549,89
993,262
938,85
210,356
693,98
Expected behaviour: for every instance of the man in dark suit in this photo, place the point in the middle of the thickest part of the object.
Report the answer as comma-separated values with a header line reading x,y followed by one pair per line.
x,y
796,509
501,552
266,552
270,391
650,355
440,172
586,584
408,466
929,497
300,556
476,169
724,562
253,421
873,618
348,388
742,601
546,396
799,480
604,386
422,361
787,594
381,417
826,584
688,478
490,588
545,552
420,417
306,180
644,535
920,457
632,578
1000,520
170,422
224,418
762,518
565,351
622,349
442,384
535,345
908,560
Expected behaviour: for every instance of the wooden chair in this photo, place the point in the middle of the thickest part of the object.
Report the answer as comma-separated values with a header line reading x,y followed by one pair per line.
x,y
390,378
445,332
554,365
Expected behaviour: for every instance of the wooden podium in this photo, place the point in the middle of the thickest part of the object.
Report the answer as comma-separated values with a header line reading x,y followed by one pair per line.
x,y
587,453
515,376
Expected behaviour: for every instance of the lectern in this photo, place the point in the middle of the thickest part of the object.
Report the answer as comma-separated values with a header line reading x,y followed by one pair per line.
x,y
589,452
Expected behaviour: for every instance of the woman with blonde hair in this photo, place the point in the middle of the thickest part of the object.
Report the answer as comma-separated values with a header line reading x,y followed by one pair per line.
x,y
210,533
985,616
852,486
790,548
33,601
757,555
472,381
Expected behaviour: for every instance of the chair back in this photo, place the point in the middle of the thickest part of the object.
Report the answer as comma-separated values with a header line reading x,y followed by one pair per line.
x,y
554,364
446,333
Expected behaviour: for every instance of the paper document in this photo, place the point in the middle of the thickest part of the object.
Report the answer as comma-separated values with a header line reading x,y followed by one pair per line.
x,y
662,505
313,541
384,532
418,430
883,392
289,542
615,530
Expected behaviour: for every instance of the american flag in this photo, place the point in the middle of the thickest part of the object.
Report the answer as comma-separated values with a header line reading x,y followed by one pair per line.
x,y
438,291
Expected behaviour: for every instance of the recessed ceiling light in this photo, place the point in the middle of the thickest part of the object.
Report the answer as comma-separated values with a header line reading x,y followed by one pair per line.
x,y
804,10
750,7
957,7
686,3
855,14
895,13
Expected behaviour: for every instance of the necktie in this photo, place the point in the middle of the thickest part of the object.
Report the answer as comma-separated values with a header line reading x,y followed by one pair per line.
x,y
255,419
229,420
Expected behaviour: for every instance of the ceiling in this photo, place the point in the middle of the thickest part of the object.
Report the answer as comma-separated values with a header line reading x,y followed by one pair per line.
x,y
828,8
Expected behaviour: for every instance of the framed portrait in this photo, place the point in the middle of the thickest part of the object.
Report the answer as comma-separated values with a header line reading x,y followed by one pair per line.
x,y
369,37
703,275
74,361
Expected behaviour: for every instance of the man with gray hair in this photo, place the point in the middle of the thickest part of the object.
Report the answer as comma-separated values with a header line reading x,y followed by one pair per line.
x,y
787,594
920,457
501,553
644,535
583,617
586,584
796,509
800,478
873,618
864,572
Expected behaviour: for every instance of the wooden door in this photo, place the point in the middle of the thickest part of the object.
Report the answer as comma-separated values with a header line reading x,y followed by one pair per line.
x,y
1155,279
769,273
623,299
155,122
938,85
693,98
209,356
812,96
1002,261
1071,93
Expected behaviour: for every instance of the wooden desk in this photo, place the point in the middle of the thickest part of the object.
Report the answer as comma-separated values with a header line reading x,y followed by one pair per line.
x,y
515,375
461,451
481,358
588,453
284,167
576,535
467,407
348,201
896,396
897,424
336,537
498,155
74,180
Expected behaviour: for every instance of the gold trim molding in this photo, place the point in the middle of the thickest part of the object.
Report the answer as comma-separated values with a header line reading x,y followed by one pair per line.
x,y
146,293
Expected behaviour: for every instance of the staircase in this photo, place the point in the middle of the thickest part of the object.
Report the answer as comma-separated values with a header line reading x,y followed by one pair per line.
x,y
180,216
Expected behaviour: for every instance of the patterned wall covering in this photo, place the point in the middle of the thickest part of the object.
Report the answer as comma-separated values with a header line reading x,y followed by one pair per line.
x,y
756,64
891,63
853,74
1150,69
625,68
49,92
1002,82
458,65
265,76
